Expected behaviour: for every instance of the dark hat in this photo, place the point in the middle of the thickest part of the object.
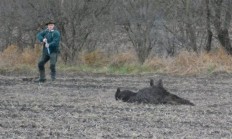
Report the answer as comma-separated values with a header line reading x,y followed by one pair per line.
x,y
50,22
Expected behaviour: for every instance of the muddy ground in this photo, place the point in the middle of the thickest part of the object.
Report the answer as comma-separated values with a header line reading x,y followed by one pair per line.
x,y
83,106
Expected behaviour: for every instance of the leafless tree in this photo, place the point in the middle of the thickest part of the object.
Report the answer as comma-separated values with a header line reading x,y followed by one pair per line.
x,y
171,25
221,14
76,19
208,26
138,18
80,20
185,21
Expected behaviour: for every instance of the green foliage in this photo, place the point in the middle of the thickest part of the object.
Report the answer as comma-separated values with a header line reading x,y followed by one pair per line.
x,y
129,69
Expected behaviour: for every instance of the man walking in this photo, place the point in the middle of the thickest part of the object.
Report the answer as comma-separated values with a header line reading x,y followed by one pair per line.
x,y
50,39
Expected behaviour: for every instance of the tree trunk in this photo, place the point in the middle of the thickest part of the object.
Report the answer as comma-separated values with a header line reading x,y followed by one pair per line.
x,y
209,41
224,39
209,32
190,31
223,27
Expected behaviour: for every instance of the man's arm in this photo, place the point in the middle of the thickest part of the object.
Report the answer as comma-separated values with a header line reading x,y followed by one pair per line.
x,y
40,35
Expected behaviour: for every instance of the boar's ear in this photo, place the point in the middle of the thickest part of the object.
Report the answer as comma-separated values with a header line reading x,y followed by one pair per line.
x,y
117,94
160,83
118,90
151,82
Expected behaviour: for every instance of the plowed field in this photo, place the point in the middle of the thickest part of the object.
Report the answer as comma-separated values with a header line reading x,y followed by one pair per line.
x,y
83,106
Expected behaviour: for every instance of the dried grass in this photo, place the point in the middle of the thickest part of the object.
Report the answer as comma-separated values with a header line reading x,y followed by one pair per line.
x,y
14,61
11,56
185,63
122,59
30,56
94,58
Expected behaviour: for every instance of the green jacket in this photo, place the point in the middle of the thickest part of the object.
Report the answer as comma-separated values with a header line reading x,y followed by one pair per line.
x,y
53,39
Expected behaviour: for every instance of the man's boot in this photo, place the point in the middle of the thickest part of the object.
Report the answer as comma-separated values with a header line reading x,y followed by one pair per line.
x,y
53,72
42,78
53,76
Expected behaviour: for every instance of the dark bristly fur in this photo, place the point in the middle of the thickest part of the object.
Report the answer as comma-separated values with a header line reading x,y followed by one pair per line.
x,y
124,95
155,94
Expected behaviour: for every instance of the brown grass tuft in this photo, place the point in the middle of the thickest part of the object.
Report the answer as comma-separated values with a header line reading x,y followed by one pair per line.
x,y
187,63
184,63
11,57
94,58
30,56
155,63
123,59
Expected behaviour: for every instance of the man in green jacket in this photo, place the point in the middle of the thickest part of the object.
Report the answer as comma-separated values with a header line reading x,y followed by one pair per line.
x,y
50,39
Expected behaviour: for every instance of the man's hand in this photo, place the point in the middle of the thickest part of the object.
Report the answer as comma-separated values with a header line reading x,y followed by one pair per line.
x,y
47,45
44,40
